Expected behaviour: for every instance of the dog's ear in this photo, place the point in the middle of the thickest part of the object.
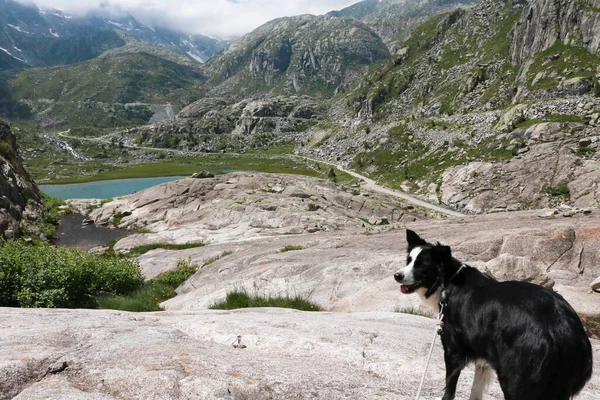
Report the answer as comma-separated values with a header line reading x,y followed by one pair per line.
x,y
414,240
442,253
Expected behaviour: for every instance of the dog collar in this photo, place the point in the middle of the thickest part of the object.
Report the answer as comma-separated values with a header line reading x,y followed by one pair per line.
x,y
443,303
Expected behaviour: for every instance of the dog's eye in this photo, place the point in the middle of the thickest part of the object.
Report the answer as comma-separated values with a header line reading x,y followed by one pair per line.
x,y
408,260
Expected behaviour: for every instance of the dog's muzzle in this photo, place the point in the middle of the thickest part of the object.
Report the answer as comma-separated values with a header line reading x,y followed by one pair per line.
x,y
405,288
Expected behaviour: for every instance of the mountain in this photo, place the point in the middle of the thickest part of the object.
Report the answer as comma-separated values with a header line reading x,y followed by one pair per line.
x,y
394,20
34,37
487,57
108,91
492,107
307,54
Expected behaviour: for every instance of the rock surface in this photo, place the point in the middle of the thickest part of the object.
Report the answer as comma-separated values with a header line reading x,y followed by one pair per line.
x,y
252,123
242,206
351,270
301,54
101,355
18,192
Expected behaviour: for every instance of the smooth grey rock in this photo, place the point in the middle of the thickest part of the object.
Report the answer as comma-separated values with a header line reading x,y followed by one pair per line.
x,y
511,268
256,205
595,285
190,355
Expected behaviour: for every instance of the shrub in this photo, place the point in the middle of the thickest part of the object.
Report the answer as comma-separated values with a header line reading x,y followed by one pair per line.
x,y
177,276
45,276
155,291
560,190
4,149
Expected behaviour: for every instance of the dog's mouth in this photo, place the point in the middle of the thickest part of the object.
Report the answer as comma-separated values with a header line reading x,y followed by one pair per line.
x,y
408,289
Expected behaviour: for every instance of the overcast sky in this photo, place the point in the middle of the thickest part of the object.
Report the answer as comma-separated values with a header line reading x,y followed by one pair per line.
x,y
222,18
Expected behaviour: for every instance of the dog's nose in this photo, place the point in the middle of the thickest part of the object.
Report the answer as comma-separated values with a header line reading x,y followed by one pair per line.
x,y
399,276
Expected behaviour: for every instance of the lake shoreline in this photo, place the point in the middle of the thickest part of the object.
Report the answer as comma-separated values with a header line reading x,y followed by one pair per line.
x,y
105,189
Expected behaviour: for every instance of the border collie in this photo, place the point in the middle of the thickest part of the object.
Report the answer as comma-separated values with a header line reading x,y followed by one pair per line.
x,y
529,335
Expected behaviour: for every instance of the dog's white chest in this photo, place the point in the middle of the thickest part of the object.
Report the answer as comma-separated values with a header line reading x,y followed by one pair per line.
x,y
432,302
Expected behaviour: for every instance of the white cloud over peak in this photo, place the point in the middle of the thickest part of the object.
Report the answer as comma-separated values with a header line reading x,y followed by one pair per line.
x,y
222,18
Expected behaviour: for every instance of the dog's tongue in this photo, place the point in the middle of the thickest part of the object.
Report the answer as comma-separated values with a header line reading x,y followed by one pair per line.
x,y
404,289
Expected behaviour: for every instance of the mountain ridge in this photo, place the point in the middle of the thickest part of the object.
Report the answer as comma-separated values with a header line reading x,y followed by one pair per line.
x,y
60,38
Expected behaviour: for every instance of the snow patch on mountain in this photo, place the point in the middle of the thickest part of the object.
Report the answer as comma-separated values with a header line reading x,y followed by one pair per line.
x,y
17,28
195,57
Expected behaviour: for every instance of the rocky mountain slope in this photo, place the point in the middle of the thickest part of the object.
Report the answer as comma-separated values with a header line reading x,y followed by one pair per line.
x,y
34,37
476,103
111,90
307,54
19,196
394,20
213,124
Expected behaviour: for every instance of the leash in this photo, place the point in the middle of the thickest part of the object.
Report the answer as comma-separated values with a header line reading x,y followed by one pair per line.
x,y
438,331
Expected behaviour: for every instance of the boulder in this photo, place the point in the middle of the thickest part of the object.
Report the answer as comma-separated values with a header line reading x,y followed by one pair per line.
x,y
595,285
203,175
507,267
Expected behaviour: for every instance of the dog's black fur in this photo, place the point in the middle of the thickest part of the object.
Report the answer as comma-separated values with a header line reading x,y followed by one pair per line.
x,y
529,335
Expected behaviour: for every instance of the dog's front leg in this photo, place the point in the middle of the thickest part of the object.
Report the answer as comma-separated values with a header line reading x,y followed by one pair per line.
x,y
483,375
454,366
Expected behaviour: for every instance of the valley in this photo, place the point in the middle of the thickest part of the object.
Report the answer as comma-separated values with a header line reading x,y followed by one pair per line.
x,y
289,162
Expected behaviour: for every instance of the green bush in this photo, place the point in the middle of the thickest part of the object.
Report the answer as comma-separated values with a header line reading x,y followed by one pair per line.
x,y
4,149
561,190
152,293
177,276
45,276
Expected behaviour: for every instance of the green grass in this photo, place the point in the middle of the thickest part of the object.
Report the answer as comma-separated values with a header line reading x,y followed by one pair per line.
x,y
405,158
145,299
550,118
290,248
215,163
240,299
413,311
585,152
152,293
138,251
561,60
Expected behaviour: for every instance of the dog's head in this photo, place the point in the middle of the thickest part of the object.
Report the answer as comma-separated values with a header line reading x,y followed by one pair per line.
x,y
424,265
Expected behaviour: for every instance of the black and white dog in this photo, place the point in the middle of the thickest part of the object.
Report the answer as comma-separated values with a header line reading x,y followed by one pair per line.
x,y
529,335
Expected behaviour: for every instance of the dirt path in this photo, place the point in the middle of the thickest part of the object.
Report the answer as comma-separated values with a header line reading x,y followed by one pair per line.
x,y
370,184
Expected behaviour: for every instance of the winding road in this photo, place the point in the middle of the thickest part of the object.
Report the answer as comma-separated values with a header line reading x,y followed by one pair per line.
x,y
368,183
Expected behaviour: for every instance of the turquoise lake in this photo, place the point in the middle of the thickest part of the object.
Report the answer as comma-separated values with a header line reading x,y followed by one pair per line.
x,y
104,189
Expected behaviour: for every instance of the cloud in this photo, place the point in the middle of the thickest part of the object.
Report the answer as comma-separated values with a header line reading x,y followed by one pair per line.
x,y
222,18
